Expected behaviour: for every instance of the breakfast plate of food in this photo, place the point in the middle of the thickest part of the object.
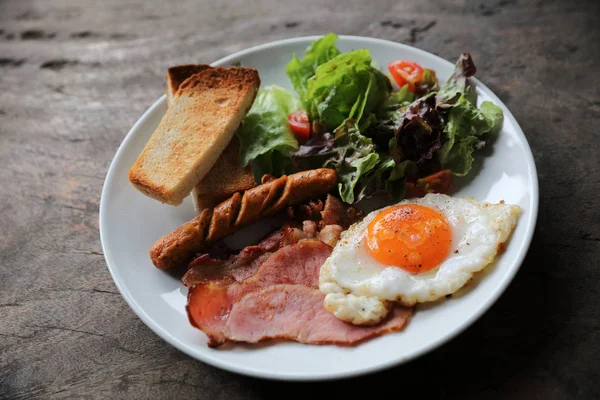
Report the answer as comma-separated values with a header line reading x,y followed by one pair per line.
x,y
318,207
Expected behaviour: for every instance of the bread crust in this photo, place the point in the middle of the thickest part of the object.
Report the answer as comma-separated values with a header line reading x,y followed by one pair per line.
x,y
176,75
224,179
207,109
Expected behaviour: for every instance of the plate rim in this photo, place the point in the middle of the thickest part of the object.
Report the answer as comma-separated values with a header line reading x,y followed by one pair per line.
x,y
274,375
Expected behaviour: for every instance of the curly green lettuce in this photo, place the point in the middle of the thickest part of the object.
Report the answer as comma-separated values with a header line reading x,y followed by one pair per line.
x,y
457,83
350,153
300,71
466,130
388,116
387,177
344,87
376,139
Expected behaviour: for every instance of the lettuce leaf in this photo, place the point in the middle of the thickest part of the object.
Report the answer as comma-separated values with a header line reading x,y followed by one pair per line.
x,y
464,132
356,156
382,138
300,71
457,83
315,153
419,135
386,177
388,116
266,139
275,163
493,114
428,84
362,170
350,153
350,173
395,101
344,87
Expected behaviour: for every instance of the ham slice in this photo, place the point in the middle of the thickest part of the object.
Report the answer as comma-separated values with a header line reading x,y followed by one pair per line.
x,y
204,268
209,303
296,312
278,297
239,267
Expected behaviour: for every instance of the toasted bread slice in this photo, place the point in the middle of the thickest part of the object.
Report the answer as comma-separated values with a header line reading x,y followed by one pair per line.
x,y
227,176
207,109
224,179
177,75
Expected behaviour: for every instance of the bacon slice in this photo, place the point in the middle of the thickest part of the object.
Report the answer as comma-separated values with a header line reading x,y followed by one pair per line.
x,y
239,267
204,268
280,300
296,312
209,303
337,213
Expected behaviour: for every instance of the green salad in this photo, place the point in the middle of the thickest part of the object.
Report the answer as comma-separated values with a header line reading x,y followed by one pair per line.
x,y
399,133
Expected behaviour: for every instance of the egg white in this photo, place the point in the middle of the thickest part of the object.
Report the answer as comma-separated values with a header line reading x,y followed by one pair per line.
x,y
359,289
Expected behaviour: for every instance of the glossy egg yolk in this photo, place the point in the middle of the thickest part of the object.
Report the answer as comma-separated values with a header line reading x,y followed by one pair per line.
x,y
412,237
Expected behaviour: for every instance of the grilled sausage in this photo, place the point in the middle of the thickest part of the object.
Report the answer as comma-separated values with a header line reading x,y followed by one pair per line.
x,y
180,246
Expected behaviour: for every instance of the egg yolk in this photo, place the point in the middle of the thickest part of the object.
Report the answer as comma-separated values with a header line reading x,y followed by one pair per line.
x,y
412,237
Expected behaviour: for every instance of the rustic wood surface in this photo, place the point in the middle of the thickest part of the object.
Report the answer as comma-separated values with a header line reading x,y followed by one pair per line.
x,y
74,77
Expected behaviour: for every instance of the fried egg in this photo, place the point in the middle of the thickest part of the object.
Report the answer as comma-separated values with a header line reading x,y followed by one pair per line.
x,y
416,251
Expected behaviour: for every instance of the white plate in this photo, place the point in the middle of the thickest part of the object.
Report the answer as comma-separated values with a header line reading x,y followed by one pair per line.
x,y
130,223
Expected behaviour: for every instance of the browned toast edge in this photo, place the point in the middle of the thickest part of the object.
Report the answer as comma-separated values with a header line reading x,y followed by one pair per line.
x,y
176,75
235,79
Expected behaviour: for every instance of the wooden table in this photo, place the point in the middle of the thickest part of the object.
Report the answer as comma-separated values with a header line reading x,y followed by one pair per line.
x,y
75,76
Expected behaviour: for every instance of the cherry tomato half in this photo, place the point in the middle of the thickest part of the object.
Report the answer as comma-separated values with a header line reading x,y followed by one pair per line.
x,y
300,124
435,183
406,73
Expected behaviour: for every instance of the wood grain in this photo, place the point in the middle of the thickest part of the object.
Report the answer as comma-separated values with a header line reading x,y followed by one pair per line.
x,y
75,76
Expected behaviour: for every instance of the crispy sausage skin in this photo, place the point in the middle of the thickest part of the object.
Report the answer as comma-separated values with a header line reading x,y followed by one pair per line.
x,y
180,246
